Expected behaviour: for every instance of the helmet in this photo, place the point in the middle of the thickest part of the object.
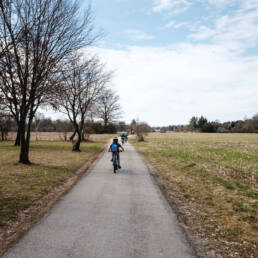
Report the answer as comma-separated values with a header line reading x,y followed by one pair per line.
x,y
115,139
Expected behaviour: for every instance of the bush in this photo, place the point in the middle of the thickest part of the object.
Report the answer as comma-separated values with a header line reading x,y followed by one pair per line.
x,y
208,128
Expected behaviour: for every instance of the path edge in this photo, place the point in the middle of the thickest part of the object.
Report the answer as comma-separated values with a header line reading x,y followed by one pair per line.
x,y
31,216
191,239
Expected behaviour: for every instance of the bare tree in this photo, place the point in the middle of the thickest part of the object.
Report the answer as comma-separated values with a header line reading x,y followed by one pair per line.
x,y
38,117
163,130
108,108
2,104
36,36
5,121
140,129
82,83
62,127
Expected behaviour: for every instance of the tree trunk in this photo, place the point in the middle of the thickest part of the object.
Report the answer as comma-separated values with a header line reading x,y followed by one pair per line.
x,y
28,136
18,138
105,124
24,151
73,135
83,136
2,133
76,146
5,134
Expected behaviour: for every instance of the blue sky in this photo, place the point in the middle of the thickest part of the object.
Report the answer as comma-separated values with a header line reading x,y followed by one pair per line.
x,y
174,59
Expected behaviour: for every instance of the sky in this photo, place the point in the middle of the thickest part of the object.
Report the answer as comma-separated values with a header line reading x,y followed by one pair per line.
x,y
174,59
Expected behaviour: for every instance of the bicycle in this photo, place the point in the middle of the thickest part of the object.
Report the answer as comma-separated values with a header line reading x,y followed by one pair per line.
x,y
115,161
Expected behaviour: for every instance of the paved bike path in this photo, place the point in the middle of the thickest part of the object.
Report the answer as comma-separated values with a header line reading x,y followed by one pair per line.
x,y
108,215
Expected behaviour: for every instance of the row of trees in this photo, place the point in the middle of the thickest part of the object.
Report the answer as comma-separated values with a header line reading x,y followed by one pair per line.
x,y
41,64
202,124
5,123
42,124
84,94
170,128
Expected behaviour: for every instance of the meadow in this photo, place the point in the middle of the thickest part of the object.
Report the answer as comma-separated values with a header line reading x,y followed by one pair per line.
x,y
54,136
24,187
211,181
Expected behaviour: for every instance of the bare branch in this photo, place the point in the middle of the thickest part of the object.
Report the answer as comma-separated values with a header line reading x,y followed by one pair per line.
x,y
36,36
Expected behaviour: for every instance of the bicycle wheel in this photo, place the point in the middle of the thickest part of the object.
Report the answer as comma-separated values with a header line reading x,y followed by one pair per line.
x,y
115,163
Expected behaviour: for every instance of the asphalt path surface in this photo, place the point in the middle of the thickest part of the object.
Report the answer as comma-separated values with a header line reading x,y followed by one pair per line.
x,y
108,215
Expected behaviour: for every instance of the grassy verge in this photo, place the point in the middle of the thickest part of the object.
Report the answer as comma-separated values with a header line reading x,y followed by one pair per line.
x,y
23,186
212,180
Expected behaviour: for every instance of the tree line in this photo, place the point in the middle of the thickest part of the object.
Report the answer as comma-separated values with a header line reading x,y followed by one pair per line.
x,y
201,124
45,61
46,124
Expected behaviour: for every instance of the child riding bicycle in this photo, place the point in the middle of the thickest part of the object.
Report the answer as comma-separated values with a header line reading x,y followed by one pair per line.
x,y
115,149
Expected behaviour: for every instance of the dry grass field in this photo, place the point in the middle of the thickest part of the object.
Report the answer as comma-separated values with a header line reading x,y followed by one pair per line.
x,y
211,180
23,187
53,136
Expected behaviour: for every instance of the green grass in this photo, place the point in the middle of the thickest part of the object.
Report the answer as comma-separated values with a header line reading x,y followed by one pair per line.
x,y
53,163
213,177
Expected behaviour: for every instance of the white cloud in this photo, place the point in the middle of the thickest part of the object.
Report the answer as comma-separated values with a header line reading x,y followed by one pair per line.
x,y
248,4
236,30
169,85
138,35
170,25
164,5
222,3
210,76
174,25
